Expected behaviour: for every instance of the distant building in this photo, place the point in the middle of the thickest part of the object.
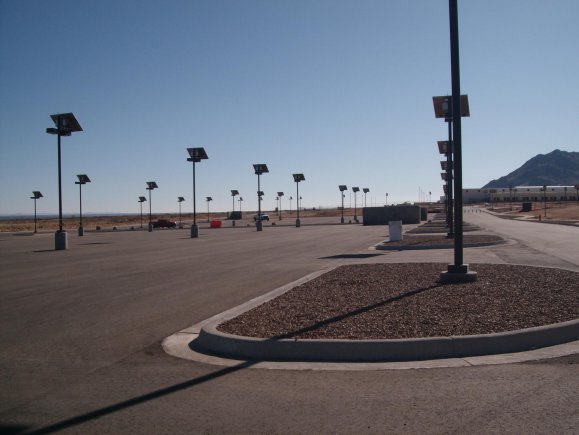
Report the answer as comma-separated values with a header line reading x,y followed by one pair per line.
x,y
520,194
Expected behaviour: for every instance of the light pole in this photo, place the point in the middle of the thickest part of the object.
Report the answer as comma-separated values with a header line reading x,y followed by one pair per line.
x,y
66,124
297,179
290,209
195,156
142,199
343,188
277,205
180,199
82,179
366,190
208,199
234,193
386,199
259,168
511,197
355,190
279,195
457,272
240,200
151,185
444,148
35,195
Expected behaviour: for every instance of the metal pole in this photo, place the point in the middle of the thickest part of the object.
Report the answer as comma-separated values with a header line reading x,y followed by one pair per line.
x,y
180,215
355,204
59,179
258,222
449,183
150,222
459,266
194,201
342,194
35,214
298,222
80,200
141,204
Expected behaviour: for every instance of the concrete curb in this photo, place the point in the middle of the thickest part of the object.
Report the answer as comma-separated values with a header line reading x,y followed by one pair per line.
x,y
210,340
382,247
248,348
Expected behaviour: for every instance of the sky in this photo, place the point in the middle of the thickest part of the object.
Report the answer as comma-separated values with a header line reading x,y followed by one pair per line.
x,y
339,90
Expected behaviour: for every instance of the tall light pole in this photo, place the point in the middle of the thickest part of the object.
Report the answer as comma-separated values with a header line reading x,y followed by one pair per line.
x,y
355,190
180,199
279,195
195,156
142,199
297,179
386,199
66,124
277,205
151,185
457,272
35,195
240,200
342,188
208,199
365,190
234,193
259,168
82,179
290,209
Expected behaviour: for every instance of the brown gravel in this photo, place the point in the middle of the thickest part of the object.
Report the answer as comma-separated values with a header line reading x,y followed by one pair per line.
x,y
384,301
442,240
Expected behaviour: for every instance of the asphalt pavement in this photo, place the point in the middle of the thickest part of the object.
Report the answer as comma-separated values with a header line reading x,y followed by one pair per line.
x,y
81,334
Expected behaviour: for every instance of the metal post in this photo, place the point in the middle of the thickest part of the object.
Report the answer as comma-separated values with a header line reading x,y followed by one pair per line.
x,y
150,209
458,272
180,223
342,193
59,179
194,228
298,222
141,204
80,228
35,215
259,224
355,214
449,183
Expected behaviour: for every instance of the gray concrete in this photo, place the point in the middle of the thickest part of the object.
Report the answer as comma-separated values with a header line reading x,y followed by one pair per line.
x,y
81,332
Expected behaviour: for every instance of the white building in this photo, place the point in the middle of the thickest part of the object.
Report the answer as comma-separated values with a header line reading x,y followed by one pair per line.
x,y
521,194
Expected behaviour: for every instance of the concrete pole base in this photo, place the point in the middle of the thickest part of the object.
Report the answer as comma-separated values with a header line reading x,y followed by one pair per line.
x,y
457,274
81,231
259,226
232,223
342,220
298,223
194,231
60,241
150,227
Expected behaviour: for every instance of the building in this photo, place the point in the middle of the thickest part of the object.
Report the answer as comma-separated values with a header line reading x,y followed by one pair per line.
x,y
521,194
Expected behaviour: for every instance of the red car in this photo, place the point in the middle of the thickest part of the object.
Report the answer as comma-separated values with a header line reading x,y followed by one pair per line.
x,y
164,223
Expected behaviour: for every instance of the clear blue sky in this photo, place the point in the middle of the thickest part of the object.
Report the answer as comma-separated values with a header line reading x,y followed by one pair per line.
x,y
339,90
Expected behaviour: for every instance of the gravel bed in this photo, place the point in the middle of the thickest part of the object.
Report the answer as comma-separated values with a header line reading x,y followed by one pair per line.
x,y
442,240
387,301
439,229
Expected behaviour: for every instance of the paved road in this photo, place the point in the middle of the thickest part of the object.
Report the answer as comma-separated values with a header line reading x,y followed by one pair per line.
x,y
81,330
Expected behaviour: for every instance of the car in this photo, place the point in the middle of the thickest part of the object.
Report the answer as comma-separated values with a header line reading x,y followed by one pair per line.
x,y
264,217
164,223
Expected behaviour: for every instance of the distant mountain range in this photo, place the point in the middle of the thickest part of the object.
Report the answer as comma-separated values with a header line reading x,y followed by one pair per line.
x,y
558,168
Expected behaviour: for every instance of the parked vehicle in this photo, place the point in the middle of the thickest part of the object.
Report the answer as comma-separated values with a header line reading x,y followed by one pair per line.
x,y
164,223
264,217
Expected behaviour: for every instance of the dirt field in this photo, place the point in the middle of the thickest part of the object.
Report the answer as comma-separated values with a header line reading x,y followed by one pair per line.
x,y
556,211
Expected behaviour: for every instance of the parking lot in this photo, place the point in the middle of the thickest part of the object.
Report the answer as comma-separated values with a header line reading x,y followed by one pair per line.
x,y
81,332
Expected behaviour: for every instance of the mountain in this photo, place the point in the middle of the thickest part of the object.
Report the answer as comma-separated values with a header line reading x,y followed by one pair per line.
x,y
558,168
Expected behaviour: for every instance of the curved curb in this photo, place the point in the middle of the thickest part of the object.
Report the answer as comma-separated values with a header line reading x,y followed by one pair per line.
x,y
382,247
414,349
